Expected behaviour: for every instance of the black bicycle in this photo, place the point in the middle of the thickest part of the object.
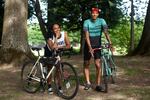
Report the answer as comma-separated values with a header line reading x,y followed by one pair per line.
x,y
64,75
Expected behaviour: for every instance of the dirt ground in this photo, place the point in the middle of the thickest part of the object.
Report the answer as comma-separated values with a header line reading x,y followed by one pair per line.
x,y
133,82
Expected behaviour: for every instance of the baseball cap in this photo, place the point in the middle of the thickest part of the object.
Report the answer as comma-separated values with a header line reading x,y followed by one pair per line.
x,y
97,10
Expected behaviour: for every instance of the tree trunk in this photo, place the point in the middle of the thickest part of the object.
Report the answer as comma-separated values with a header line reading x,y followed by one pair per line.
x,y
1,18
51,17
42,24
14,36
143,47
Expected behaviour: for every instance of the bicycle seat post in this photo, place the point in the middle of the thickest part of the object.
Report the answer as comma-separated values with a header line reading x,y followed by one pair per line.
x,y
38,52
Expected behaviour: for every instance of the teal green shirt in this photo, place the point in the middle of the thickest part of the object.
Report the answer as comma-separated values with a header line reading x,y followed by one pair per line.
x,y
95,29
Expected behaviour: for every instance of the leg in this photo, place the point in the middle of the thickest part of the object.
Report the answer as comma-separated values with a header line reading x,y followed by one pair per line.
x,y
97,56
98,71
86,71
50,90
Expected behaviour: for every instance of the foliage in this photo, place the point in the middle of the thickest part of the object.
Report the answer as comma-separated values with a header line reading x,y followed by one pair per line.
x,y
120,35
35,36
73,12
30,9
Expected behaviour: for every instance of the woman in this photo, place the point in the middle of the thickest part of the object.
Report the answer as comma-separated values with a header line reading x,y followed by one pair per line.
x,y
59,39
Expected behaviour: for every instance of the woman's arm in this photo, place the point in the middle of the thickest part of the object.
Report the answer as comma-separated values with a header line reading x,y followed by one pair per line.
x,y
51,44
67,41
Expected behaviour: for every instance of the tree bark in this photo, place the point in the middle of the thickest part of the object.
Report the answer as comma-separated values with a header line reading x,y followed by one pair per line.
x,y
143,47
14,36
42,24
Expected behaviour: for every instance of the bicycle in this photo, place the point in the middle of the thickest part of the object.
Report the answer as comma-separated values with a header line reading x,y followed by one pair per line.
x,y
108,66
33,76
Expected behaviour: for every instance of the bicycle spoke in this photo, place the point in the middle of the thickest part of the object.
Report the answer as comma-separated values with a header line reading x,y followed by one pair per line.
x,y
31,82
68,82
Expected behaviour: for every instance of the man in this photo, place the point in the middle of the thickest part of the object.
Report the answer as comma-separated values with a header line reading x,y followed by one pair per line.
x,y
93,28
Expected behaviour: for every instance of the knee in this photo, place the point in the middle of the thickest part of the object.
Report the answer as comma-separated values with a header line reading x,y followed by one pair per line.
x,y
86,64
98,66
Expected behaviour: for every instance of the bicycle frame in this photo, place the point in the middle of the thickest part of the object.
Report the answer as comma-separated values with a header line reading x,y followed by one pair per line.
x,y
37,79
65,78
41,68
53,67
105,52
105,57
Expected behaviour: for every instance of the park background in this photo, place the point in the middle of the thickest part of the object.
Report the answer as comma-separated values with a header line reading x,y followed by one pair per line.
x,y
128,21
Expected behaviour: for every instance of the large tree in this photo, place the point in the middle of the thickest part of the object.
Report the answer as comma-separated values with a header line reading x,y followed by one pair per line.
x,y
14,36
143,47
1,17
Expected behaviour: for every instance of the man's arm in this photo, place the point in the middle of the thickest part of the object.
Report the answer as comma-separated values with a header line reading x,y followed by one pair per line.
x,y
87,35
105,30
108,39
87,39
107,36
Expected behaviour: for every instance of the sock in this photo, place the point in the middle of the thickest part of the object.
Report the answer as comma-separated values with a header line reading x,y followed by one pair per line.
x,y
59,87
49,86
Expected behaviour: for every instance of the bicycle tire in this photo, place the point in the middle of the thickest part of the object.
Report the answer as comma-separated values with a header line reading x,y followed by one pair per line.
x,y
112,67
104,77
30,85
69,81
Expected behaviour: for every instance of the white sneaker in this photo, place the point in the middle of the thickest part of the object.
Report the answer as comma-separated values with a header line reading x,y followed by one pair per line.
x,y
50,91
60,90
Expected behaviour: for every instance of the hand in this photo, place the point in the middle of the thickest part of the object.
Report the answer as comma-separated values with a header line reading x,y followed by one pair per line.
x,y
91,51
55,46
112,48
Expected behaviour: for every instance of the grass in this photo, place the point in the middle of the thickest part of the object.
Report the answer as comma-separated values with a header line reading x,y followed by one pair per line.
x,y
10,95
132,71
92,75
132,82
141,93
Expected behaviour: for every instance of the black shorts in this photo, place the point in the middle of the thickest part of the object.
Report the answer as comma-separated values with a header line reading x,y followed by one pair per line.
x,y
47,52
87,54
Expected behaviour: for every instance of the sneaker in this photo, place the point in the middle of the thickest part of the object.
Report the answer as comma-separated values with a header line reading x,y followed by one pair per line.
x,y
87,86
60,90
50,90
98,88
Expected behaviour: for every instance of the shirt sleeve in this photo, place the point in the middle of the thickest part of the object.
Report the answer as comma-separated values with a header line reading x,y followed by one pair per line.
x,y
104,24
85,26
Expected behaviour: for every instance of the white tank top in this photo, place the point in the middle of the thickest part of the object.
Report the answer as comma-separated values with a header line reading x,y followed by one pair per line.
x,y
61,40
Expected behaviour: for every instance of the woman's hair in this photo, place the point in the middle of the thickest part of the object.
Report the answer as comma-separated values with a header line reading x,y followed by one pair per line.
x,y
55,24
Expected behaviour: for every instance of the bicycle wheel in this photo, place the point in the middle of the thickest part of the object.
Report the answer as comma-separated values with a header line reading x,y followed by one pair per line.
x,y
104,76
30,80
66,81
112,67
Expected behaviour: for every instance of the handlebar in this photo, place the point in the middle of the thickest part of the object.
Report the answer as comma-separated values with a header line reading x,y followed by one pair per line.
x,y
63,49
60,51
55,52
106,46
36,48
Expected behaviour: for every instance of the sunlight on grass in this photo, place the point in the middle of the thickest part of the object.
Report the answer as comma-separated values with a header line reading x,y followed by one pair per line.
x,y
9,96
132,71
140,92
